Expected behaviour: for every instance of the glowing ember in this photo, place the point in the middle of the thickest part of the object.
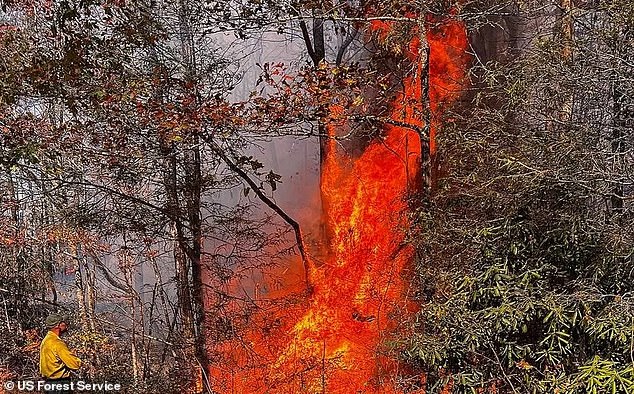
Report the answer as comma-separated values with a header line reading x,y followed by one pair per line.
x,y
332,342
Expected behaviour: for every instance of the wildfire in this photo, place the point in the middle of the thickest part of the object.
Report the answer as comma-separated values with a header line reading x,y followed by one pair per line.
x,y
333,343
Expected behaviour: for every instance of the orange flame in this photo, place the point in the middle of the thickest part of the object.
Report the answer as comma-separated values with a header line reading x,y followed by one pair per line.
x,y
332,343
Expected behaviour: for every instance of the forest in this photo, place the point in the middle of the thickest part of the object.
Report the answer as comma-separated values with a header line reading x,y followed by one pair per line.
x,y
343,197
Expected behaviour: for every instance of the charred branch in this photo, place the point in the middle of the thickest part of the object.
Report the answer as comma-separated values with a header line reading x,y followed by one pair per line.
x,y
344,45
266,200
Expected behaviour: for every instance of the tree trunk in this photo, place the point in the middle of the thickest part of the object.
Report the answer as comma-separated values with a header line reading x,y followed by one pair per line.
x,y
425,133
193,202
623,115
567,32
192,247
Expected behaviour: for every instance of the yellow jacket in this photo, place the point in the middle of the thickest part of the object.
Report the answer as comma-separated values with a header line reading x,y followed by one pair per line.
x,y
56,361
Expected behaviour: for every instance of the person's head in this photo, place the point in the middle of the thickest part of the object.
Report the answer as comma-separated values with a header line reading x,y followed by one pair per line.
x,y
57,323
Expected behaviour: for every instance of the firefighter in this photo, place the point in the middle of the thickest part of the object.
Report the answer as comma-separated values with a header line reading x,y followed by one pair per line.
x,y
56,361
